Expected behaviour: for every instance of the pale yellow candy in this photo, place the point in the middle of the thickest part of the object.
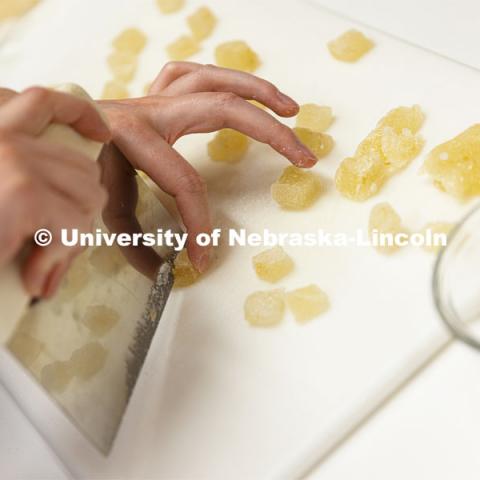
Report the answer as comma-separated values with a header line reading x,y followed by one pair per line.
x,y
15,8
100,319
228,146
314,117
56,376
350,46
202,23
88,360
257,104
76,280
237,55
170,6
273,264
123,65
307,303
296,189
265,308
385,220
182,48
320,144
403,117
455,165
435,228
107,260
25,347
184,273
115,90
400,149
130,40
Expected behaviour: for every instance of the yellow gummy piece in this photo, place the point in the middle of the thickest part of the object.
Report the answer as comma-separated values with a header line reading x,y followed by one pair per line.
x,y
123,65
107,260
170,6
88,360
350,46
25,347
314,117
115,90
15,8
184,273
296,189
56,376
265,308
100,319
228,146
436,228
320,144
237,55
202,23
182,48
307,303
385,220
272,265
130,40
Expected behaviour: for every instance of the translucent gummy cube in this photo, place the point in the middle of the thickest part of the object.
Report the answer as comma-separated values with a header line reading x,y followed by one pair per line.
x,y
228,146
307,303
170,6
273,264
385,220
314,117
56,376
123,65
350,46
237,55
202,23
320,144
182,48
184,273
265,308
131,40
100,319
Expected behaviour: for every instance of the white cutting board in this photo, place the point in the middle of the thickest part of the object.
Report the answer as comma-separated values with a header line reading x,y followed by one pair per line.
x,y
240,402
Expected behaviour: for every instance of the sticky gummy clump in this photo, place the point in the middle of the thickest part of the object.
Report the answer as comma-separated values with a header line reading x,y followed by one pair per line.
x,y
170,6
265,308
307,303
455,165
100,319
432,231
182,48
123,65
296,189
184,273
350,46
314,117
320,144
228,146
56,376
273,264
202,23
386,150
25,348
131,40
88,360
237,55
115,90
385,220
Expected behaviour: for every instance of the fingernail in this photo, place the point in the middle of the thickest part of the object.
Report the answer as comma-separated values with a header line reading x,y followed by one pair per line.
x,y
203,262
286,99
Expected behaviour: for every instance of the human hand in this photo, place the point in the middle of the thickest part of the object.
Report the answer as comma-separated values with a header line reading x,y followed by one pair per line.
x,y
190,98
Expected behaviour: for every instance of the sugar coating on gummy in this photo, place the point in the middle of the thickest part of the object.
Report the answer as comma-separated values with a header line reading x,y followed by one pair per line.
x,y
237,55
228,146
296,189
100,319
314,117
273,264
307,303
131,40
454,166
184,273
385,220
350,46
265,308
202,23
320,144
182,48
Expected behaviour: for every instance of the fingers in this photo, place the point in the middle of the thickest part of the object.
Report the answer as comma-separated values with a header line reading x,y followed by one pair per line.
x,y
208,112
209,78
169,73
119,215
34,109
175,176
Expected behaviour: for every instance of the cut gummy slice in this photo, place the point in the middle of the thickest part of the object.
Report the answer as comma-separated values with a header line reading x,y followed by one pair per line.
x,y
350,46
25,347
15,8
314,117
436,228
237,55
265,308
202,23
100,319
182,48
385,220
107,260
170,6
115,90
123,65
184,273
88,360
130,40
228,146
273,264
455,165
56,376
296,189
307,303
321,144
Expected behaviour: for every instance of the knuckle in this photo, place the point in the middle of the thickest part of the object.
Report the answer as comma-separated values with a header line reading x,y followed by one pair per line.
x,y
192,183
170,67
227,100
37,95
